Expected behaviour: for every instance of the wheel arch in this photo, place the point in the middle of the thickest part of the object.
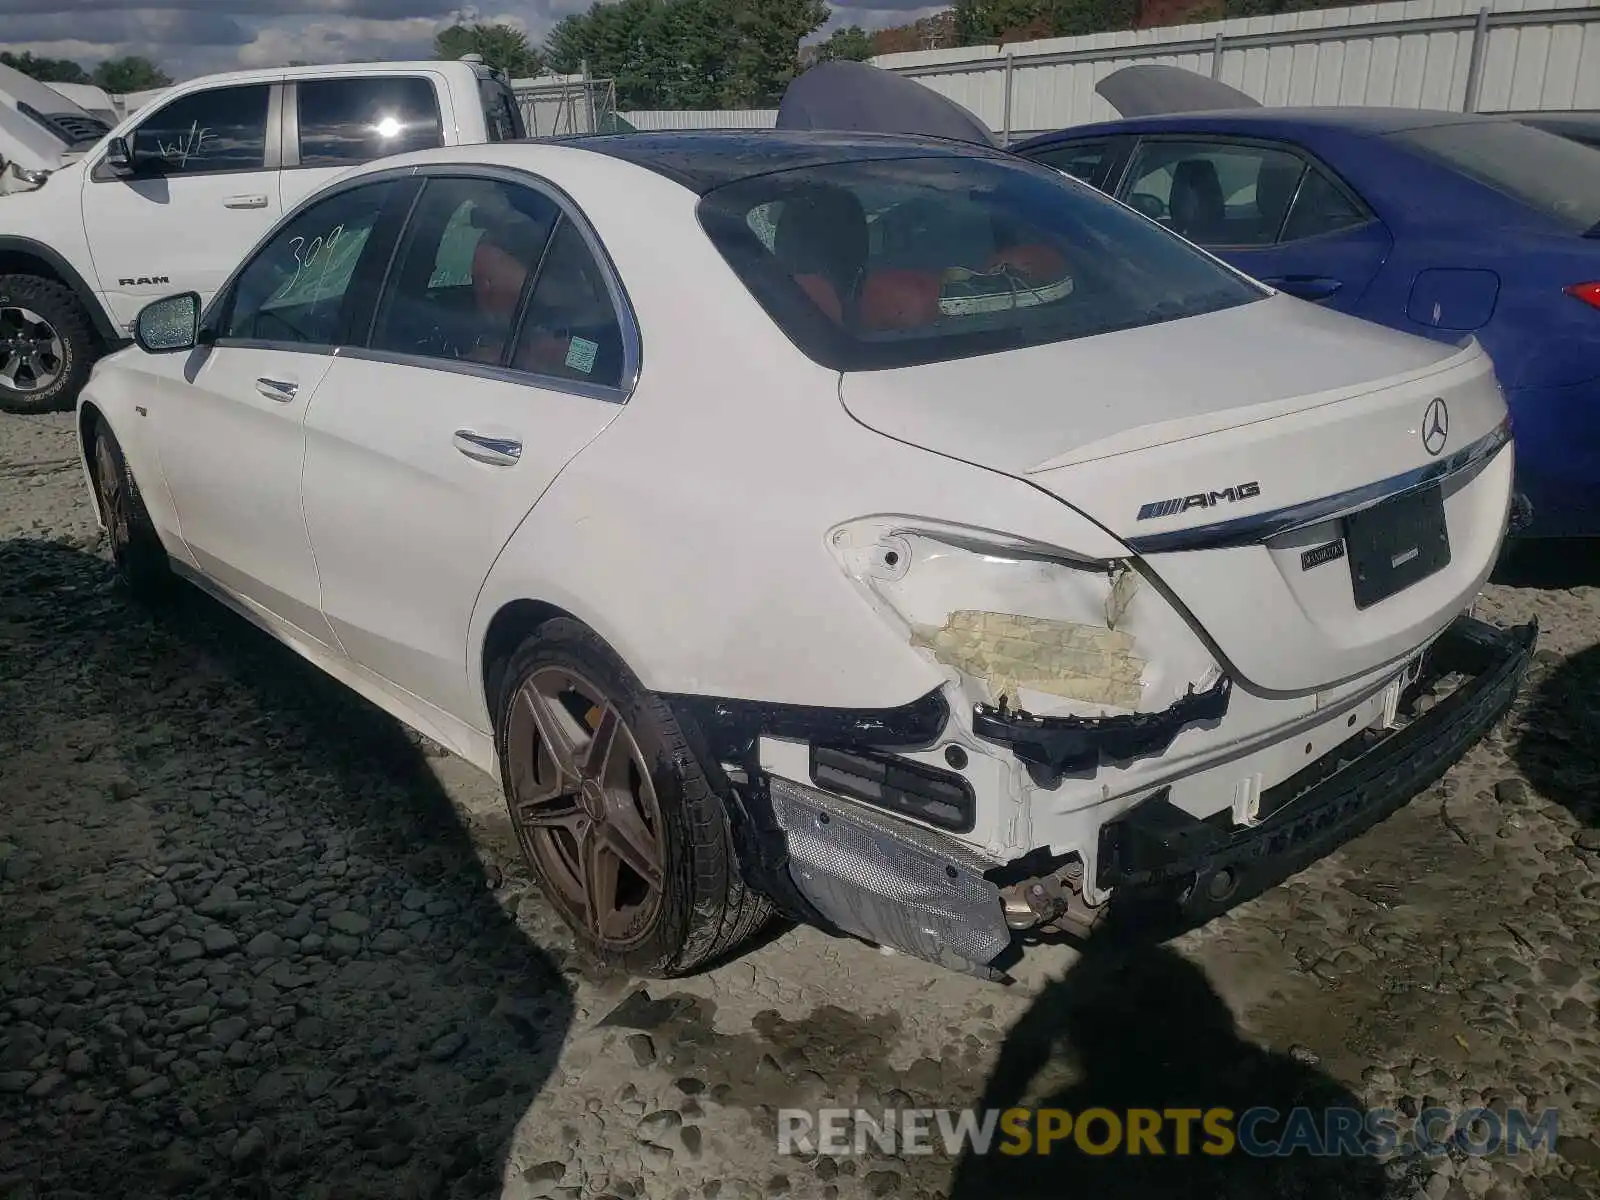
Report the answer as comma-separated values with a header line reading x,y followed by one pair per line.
x,y
512,624
24,256
88,420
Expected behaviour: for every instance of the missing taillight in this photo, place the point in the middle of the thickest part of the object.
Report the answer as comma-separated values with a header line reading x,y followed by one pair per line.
x,y
1589,293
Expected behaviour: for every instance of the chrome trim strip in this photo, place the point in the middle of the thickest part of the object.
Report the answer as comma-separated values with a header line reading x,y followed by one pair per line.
x,y
1243,531
477,370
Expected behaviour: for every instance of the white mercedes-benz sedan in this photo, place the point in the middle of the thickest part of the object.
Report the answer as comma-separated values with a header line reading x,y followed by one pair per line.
x,y
881,530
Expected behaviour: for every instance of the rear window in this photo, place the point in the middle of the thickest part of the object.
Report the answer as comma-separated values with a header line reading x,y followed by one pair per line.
x,y
875,264
501,114
1555,175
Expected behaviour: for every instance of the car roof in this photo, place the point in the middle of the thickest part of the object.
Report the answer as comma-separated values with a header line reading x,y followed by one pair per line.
x,y
705,159
1369,120
325,71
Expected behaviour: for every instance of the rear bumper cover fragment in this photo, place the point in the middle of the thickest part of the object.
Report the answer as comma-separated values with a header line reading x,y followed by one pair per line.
x,y
1156,844
1068,744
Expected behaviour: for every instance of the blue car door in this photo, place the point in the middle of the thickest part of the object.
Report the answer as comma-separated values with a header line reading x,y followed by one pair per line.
x,y
1266,207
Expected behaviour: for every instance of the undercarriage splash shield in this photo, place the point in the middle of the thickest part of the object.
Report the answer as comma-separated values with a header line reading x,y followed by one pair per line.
x,y
890,882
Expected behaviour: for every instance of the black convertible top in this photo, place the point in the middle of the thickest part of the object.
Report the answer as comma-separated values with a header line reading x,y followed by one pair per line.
x,y
705,159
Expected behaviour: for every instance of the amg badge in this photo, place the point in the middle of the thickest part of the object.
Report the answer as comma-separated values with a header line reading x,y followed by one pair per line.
x,y
143,281
1318,555
1182,504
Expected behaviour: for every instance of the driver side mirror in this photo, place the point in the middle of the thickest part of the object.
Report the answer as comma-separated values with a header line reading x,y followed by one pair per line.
x,y
118,156
168,325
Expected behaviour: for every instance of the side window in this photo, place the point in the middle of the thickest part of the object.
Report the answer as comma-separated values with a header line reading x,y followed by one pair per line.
x,y
1082,160
1215,193
501,116
1320,207
570,329
465,263
347,121
223,129
293,290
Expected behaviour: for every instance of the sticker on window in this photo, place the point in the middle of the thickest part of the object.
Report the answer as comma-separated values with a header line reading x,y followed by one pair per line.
x,y
581,354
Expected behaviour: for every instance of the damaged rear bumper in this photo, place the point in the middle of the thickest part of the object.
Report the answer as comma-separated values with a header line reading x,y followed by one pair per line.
x,y
870,874
1205,868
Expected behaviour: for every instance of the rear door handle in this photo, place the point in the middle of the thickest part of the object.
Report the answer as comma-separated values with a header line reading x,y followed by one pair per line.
x,y
256,200
498,452
281,390
1307,287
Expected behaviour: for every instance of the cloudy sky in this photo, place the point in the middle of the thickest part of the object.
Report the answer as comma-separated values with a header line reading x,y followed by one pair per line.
x,y
191,37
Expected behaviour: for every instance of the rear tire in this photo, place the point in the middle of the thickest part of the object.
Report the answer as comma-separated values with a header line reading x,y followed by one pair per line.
x,y
47,345
136,549
614,812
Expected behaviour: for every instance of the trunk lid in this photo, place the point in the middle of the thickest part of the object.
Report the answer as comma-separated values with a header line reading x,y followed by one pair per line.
x,y
1207,444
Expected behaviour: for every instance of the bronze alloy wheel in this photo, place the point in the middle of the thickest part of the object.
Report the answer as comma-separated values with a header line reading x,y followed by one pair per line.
x,y
113,499
585,807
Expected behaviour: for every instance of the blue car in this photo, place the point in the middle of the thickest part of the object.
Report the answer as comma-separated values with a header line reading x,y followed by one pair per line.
x,y
1442,224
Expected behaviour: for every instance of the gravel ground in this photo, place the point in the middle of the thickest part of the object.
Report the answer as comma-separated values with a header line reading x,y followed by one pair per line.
x,y
256,940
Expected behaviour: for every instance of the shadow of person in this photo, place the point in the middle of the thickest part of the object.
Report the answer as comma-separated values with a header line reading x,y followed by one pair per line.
x,y
1137,1026
248,946
1558,744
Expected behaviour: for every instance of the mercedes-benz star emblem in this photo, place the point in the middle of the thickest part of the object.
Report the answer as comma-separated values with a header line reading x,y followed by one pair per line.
x,y
1435,426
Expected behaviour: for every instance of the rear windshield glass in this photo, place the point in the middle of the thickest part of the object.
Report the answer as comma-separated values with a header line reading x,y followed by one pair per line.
x,y
875,264
1555,175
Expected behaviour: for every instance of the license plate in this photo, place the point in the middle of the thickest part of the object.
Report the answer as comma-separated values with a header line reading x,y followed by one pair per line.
x,y
1395,544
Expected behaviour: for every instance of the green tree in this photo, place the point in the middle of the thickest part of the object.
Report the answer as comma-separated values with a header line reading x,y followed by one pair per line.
x,y
850,43
122,76
502,47
981,21
688,53
46,70
767,56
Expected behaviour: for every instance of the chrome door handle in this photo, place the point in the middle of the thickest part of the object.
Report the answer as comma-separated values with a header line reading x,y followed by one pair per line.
x,y
253,201
280,390
499,452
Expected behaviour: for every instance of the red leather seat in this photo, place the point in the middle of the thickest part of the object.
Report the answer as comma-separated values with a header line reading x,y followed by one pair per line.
x,y
897,298
497,280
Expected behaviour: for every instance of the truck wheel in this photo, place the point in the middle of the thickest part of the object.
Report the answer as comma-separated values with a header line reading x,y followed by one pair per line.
x,y
47,345
619,822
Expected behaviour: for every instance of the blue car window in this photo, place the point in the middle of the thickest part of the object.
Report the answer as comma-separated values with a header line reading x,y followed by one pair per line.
x,y
1081,160
1216,193
1555,175
1319,208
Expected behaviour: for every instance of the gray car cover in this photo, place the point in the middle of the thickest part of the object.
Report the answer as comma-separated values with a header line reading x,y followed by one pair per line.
x,y
856,96
1154,89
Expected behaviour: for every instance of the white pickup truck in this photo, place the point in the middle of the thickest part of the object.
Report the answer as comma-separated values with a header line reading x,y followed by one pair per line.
x,y
173,197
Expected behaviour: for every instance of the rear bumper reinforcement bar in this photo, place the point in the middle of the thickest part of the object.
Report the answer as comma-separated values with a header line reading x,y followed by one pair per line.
x,y
1067,744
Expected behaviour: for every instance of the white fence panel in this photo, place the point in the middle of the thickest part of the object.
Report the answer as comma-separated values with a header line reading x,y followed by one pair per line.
x,y
1445,54
727,118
